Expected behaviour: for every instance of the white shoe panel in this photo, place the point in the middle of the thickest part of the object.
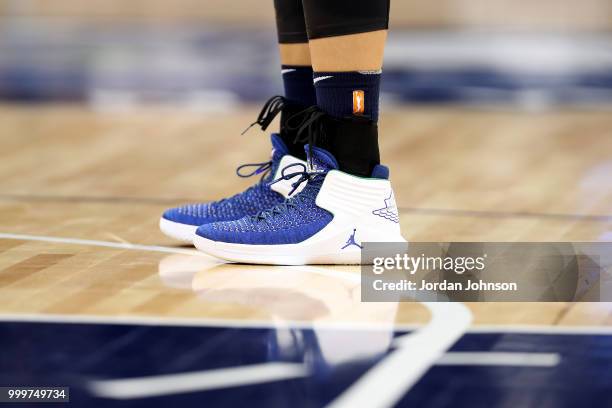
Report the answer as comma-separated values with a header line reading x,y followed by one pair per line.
x,y
364,210
284,186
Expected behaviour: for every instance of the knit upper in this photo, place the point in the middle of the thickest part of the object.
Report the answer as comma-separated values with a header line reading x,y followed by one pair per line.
x,y
248,202
292,221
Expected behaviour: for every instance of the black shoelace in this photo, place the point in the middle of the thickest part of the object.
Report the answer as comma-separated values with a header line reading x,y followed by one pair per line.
x,y
304,196
270,110
309,126
304,174
263,167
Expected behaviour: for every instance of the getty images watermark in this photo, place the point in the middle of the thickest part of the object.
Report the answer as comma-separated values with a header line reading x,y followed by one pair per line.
x,y
477,271
411,265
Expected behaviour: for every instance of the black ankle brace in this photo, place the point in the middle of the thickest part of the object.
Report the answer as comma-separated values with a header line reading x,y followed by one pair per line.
x,y
287,133
354,143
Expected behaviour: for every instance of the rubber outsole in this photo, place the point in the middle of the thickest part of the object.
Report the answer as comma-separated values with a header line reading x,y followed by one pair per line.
x,y
287,254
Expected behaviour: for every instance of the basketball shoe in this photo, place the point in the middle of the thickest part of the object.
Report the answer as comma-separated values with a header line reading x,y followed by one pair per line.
x,y
181,222
325,223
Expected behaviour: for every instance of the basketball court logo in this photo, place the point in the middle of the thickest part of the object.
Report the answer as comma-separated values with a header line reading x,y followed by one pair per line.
x,y
358,102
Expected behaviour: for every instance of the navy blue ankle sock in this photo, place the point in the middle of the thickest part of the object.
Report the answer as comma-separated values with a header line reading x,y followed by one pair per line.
x,y
298,85
343,94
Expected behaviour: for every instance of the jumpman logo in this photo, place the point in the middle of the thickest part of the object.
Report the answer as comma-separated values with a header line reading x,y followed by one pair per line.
x,y
351,241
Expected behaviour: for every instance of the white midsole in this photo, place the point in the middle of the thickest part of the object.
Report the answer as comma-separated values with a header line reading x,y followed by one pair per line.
x,y
286,254
178,231
282,254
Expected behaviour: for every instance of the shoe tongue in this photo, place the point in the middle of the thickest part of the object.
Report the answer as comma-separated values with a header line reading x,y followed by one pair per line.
x,y
321,158
279,148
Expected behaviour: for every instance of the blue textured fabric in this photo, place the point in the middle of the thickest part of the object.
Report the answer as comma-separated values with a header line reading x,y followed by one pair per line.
x,y
380,172
293,221
248,202
299,88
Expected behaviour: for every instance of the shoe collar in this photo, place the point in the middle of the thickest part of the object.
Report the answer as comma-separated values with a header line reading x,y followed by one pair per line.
x,y
321,159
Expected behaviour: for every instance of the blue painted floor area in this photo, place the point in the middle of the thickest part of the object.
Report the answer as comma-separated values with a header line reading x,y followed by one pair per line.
x,y
74,354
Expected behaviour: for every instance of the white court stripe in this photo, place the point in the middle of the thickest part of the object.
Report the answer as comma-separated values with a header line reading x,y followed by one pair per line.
x,y
389,380
512,328
107,244
500,359
194,322
298,324
423,348
543,329
143,387
347,276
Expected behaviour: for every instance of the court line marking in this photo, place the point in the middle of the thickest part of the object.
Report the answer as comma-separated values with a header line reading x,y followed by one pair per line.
x,y
117,238
266,324
419,350
106,244
416,353
422,210
96,199
196,381
541,329
192,322
510,214
494,358
208,322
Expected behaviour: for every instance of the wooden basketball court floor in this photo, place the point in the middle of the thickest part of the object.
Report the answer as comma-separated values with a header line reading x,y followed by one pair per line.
x,y
81,193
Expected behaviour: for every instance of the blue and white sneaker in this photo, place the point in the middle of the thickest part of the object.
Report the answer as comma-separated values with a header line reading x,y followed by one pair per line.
x,y
181,222
325,223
